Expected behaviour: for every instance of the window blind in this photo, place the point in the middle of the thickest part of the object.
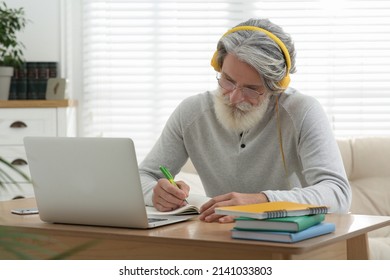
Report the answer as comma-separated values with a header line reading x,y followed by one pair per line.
x,y
142,58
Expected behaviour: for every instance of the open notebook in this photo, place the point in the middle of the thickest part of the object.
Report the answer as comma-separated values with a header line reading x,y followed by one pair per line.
x,y
195,201
89,181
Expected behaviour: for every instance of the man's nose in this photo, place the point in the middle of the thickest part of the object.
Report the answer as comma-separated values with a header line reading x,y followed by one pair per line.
x,y
236,96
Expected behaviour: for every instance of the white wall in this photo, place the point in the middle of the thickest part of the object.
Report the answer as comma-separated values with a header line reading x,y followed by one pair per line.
x,y
42,35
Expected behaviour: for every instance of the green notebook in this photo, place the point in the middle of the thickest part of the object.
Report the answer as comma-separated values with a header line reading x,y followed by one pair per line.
x,y
288,224
280,236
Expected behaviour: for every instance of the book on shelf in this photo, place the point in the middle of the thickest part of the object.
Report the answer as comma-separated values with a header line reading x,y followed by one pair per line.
x,y
195,201
286,237
18,89
38,74
30,80
289,224
275,209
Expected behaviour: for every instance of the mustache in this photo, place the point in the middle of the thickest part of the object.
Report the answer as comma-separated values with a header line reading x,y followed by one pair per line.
x,y
242,106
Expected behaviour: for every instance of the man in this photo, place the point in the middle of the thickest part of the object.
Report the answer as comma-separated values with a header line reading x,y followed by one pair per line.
x,y
252,140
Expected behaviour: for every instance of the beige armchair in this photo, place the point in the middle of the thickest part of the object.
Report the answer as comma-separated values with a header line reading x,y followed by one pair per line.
x,y
367,164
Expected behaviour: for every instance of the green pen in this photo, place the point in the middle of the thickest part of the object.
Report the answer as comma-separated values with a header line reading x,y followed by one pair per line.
x,y
169,176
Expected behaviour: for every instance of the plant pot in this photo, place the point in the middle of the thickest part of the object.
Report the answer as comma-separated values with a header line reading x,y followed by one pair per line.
x,y
6,74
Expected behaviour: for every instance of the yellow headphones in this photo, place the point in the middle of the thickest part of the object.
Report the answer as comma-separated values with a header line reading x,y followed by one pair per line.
x,y
283,83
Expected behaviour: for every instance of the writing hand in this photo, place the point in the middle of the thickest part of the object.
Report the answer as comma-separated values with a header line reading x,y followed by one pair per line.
x,y
167,197
229,199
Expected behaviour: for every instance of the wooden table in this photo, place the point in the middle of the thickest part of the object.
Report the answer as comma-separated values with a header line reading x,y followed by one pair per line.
x,y
188,240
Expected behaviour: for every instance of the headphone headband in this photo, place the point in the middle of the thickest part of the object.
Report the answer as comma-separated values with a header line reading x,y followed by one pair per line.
x,y
282,83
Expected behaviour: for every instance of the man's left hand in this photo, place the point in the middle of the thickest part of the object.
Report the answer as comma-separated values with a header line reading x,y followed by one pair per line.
x,y
229,199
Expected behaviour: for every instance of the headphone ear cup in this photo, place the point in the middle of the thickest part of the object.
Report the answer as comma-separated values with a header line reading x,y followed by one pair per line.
x,y
214,62
283,83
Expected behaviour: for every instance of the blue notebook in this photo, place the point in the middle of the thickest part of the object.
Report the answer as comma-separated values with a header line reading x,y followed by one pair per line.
x,y
286,237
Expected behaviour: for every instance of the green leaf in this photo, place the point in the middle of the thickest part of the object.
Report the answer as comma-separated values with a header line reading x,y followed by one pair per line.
x,y
12,21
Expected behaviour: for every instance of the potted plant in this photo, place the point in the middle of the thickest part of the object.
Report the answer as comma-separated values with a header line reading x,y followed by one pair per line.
x,y
11,50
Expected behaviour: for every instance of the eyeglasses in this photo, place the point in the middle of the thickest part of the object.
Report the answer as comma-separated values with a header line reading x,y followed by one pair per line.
x,y
230,86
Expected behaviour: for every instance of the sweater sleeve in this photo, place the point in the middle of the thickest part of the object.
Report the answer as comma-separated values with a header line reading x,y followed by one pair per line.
x,y
322,165
169,150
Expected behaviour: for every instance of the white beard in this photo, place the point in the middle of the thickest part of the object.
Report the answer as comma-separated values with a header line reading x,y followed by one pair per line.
x,y
240,117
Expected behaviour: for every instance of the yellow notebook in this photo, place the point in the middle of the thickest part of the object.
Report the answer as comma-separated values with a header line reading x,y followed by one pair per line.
x,y
276,209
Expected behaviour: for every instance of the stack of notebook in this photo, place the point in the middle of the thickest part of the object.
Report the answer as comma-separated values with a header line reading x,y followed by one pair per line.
x,y
278,221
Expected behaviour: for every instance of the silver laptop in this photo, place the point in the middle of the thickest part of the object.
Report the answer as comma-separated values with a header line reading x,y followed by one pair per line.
x,y
89,181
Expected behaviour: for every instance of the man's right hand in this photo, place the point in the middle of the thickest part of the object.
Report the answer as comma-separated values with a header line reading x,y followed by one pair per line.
x,y
167,197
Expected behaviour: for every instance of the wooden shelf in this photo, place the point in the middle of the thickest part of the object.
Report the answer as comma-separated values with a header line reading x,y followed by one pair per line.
x,y
37,103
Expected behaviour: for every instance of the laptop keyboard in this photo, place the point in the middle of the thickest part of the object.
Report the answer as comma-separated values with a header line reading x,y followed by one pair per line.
x,y
153,220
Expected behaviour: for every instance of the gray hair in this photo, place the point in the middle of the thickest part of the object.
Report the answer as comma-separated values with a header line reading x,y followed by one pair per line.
x,y
260,51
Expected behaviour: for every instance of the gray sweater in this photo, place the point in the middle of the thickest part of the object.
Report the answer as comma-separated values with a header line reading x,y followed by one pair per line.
x,y
252,162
